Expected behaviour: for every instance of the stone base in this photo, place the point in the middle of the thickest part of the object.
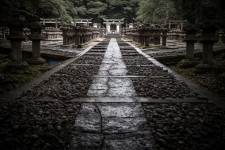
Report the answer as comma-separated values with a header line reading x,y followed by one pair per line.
x,y
36,61
65,46
80,46
186,63
203,68
16,67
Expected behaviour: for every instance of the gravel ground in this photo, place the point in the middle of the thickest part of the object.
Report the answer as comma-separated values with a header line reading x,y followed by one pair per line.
x,y
148,71
162,88
186,126
214,82
88,59
70,82
30,125
158,84
136,61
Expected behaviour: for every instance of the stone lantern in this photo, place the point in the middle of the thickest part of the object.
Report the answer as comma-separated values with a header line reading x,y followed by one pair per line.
x,y
190,40
16,37
65,34
77,35
141,36
135,35
157,36
209,37
147,35
36,38
164,36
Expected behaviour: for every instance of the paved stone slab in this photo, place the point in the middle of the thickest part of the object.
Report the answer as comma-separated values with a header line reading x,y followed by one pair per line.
x,y
124,125
103,73
122,110
137,141
100,80
97,93
121,91
118,72
88,119
99,87
119,82
105,67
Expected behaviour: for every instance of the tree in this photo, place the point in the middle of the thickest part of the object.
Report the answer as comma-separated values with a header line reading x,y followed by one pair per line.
x,y
199,11
156,11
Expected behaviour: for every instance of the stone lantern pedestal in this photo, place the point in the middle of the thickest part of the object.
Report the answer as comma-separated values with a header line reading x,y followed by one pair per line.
x,y
36,38
223,37
156,36
164,36
77,36
147,35
190,40
65,35
209,37
16,37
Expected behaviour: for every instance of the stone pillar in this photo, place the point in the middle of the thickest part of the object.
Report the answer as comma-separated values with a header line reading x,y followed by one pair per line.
x,y
117,28
208,39
181,26
108,27
36,38
164,36
223,37
169,25
77,35
16,37
65,35
156,36
56,24
139,36
147,41
190,40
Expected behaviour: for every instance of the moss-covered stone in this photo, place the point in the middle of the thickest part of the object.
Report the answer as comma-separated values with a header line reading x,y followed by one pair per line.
x,y
185,63
13,78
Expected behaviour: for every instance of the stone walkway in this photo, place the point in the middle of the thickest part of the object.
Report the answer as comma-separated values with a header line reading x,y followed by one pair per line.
x,y
109,80
112,126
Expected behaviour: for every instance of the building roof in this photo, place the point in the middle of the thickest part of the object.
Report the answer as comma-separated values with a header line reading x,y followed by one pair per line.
x,y
113,20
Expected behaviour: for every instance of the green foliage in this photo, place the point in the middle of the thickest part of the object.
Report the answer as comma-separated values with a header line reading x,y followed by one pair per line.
x,y
149,11
156,11
201,11
70,9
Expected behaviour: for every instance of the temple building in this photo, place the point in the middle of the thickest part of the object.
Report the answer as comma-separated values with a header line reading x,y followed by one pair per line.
x,y
113,26
82,22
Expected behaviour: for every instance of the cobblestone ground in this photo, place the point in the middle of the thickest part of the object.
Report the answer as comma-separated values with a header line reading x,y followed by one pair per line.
x,y
112,97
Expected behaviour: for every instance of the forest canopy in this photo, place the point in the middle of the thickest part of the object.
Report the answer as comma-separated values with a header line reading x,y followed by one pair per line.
x,y
67,10
148,11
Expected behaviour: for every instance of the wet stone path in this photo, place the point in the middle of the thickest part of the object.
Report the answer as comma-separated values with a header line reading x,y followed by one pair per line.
x,y
112,97
109,80
112,125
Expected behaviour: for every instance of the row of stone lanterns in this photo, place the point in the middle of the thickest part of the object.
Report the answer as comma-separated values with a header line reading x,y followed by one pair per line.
x,y
52,33
16,36
208,38
79,35
147,35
